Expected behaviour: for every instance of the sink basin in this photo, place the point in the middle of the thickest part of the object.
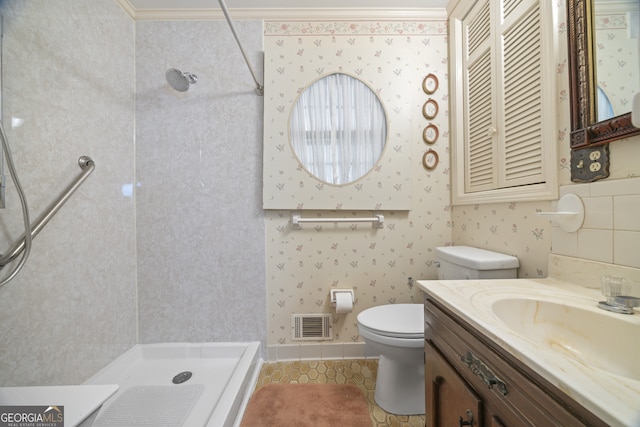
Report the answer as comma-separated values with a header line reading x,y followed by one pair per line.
x,y
593,337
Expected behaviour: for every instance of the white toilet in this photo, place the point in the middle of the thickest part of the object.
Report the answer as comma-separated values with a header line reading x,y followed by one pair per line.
x,y
396,331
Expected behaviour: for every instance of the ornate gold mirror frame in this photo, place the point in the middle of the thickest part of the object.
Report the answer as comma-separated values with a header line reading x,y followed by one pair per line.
x,y
585,131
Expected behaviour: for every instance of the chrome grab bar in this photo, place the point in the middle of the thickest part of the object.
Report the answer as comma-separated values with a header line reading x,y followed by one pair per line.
x,y
87,165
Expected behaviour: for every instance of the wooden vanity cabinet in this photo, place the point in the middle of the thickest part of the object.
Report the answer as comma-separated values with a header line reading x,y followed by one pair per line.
x,y
449,398
471,381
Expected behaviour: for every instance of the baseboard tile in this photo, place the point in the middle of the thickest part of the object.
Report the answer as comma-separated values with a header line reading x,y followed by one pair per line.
x,y
318,351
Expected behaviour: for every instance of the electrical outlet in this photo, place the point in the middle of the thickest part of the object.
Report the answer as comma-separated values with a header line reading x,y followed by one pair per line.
x,y
590,163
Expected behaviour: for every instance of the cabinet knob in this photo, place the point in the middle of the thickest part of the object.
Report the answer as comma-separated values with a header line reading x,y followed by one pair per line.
x,y
492,130
469,421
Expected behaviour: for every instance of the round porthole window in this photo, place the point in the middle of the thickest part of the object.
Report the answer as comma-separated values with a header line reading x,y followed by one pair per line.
x,y
338,129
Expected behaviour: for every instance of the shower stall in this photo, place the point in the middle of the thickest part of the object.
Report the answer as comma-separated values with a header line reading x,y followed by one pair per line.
x,y
180,80
146,251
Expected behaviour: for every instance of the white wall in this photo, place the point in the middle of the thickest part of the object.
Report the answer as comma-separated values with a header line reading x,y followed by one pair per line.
x,y
68,80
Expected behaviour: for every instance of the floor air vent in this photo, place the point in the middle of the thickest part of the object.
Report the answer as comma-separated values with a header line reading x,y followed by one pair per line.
x,y
311,327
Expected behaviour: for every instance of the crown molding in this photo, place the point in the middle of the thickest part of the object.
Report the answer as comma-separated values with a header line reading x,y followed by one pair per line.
x,y
308,14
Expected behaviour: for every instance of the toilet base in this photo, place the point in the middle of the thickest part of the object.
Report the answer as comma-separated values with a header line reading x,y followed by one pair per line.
x,y
400,387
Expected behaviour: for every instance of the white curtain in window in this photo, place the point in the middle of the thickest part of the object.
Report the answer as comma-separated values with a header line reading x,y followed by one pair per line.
x,y
338,129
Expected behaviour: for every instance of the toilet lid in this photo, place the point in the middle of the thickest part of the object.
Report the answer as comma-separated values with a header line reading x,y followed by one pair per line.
x,y
394,320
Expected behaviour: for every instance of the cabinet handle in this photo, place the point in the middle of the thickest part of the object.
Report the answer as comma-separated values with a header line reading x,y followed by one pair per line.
x,y
469,421
479,369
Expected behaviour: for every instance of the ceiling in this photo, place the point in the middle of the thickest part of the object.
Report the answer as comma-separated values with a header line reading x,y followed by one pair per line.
x,y
279,9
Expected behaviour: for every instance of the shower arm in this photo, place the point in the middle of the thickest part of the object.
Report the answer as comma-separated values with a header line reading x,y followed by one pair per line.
x,y
259,87
87,165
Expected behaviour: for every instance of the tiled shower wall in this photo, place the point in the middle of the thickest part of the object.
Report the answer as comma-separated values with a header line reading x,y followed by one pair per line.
x,y
199,219
65,94
198,272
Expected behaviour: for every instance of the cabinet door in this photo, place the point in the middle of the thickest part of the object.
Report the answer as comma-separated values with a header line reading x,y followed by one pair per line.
x,y
480,83
504,85
450,401
503,103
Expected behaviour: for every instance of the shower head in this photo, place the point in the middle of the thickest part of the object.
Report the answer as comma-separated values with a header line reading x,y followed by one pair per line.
x,y
179,80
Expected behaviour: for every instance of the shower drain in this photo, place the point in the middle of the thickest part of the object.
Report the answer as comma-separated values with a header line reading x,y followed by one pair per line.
x,y
182,377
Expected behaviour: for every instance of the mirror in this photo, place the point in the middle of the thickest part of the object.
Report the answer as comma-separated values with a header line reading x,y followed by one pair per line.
x,y
602,85
615,56
338,129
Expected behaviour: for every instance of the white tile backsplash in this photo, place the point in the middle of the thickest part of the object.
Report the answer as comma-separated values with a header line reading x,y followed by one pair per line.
x,y
563,243
626,249
598,212
611,229
626,212
587,273
596,245
616,187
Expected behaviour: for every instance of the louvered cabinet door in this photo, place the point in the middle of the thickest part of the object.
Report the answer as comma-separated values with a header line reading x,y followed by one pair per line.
x,y
503,92
480,106
521,130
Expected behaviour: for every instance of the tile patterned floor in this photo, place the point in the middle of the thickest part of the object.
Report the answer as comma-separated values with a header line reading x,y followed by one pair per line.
x,y
361,373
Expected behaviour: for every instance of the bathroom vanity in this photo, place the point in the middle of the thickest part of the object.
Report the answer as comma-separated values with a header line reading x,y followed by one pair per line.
x,y
520,352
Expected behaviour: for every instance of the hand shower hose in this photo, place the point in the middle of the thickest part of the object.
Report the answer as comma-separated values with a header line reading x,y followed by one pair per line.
x,y
25,209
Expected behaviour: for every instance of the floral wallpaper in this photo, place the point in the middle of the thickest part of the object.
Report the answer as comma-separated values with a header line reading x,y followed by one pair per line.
x,y
304,264
381,265
296,55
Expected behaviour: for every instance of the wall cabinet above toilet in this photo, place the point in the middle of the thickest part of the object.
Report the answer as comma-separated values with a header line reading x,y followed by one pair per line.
x,y
502,86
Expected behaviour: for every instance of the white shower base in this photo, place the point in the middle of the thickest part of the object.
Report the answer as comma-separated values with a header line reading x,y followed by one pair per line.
x,y
223,377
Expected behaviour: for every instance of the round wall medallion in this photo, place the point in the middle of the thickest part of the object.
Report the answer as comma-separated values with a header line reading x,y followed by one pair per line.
x,y
430,159
430,134
430,84
430,109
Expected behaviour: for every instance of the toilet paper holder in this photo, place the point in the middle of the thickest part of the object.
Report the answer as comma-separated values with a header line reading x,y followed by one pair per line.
x,y
333,293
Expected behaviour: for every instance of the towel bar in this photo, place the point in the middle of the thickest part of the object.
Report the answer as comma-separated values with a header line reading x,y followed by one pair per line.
x,y
297,220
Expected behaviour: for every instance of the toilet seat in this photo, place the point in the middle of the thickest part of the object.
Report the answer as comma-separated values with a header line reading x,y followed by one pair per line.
x,y
394,320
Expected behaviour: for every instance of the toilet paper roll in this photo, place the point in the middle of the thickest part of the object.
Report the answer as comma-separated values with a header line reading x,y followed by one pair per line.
x,y
344,303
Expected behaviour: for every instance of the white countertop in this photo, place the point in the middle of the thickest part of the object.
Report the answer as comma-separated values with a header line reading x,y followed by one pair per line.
x,y
614,398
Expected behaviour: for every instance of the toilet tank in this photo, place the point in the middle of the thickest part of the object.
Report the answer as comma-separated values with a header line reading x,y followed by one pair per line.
x,y
465,262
